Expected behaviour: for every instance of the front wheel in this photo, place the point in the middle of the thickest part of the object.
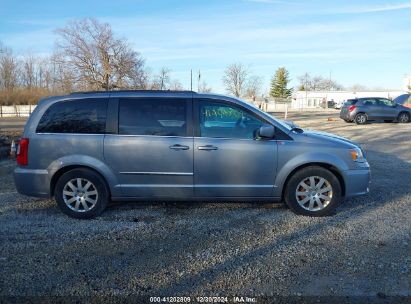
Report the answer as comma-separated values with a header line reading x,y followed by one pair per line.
x,y
313,191
81,193
404,117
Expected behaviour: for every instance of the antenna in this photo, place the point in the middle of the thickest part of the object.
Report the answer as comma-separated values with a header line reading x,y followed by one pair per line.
x,y
198,82
191,80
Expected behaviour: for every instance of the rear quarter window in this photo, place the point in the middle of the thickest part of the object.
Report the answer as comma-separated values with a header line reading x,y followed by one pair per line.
x,y
84,116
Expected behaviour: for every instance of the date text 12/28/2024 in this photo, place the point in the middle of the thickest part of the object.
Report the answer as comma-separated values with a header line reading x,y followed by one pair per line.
x,y
234,299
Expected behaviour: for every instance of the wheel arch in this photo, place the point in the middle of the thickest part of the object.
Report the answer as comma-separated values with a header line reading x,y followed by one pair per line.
x,y
68,168
361,112
61,166
333,169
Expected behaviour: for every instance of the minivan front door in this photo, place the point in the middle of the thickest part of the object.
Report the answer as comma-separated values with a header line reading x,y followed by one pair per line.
x,y
228,159
152,154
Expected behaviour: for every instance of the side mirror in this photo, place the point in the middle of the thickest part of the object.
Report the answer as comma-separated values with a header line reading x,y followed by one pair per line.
x,y
266,132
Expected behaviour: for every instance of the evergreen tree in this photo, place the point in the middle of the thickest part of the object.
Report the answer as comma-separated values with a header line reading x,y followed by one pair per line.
x,y
279,84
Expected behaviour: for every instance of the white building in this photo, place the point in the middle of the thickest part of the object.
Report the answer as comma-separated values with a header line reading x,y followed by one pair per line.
x,y
313,99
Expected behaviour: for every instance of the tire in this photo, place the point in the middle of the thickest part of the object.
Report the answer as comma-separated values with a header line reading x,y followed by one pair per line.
x,y
360,119
311,207
75,200
403,117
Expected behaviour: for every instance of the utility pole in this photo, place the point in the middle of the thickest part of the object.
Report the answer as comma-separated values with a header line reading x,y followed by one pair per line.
x,y
191,79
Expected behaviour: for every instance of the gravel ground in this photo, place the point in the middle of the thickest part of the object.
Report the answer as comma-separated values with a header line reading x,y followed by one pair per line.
x,y
226,249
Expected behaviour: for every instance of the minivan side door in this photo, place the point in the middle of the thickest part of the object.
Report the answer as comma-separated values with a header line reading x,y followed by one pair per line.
x,y
229,159
152,150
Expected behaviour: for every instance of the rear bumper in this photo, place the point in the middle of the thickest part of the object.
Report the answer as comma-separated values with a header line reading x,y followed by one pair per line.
x,y
32,182
357,182
346,116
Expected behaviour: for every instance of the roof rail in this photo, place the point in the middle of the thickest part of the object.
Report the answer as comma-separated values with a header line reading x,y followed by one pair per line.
x,y
131,91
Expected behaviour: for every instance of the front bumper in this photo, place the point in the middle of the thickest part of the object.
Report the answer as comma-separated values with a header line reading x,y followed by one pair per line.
x,y
357,182
32,182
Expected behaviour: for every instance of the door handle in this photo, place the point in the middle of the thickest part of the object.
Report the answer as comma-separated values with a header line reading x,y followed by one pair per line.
x,y
207,148
179,147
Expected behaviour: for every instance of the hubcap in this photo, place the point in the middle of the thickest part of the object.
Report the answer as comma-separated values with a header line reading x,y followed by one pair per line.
x,y
403,118
80,195
314,193
361,118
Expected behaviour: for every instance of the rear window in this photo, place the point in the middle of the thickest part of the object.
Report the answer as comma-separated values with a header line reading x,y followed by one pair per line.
x,y
153,116
85,116
350,102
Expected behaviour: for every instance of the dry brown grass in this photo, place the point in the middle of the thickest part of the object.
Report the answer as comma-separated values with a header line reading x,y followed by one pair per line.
x,y
22,96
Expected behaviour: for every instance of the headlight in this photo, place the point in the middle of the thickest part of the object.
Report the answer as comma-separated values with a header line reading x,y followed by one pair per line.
x,y
357,155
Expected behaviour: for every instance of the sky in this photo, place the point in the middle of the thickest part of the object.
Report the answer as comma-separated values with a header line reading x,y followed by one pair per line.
x,y
356,42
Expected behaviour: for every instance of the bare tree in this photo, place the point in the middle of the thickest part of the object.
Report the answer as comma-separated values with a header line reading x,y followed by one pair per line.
x,y
253,86
176,85
30,72
235,79
204,88
162,79
9,70
317,83
358,87
95,57
63,78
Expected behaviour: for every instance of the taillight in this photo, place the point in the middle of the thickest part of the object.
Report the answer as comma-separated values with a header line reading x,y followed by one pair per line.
x,y
351,108
23,152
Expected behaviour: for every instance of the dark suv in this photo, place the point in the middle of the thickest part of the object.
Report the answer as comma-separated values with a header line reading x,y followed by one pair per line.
x,y
362,110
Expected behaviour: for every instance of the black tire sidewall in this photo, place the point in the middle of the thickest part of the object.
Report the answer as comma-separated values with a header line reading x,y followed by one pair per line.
x,y
291,200
93,177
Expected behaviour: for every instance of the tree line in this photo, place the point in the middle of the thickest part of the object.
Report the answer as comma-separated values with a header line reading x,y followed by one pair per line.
x,y
89,56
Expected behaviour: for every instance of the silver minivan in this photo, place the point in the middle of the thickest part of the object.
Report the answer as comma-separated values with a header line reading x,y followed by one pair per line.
x,y
88,148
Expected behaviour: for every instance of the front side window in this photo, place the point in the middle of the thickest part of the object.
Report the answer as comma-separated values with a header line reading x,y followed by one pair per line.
x,y
385,102
153,116
223,121
84,116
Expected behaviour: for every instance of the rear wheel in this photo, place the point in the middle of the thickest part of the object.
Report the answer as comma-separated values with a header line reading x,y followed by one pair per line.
x,y
81,193
360,119
403,117
313,191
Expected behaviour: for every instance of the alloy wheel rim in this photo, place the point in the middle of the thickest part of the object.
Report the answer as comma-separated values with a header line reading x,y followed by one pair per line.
x,y
403,118
80,195
314,193
361,118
